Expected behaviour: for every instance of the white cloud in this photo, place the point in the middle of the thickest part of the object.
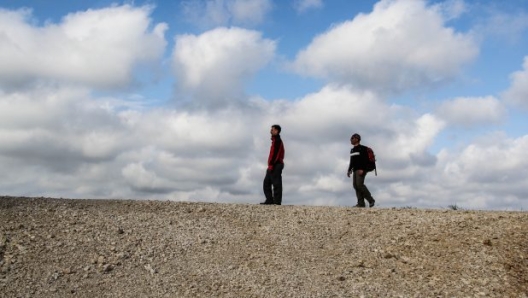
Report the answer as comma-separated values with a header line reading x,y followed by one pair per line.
x,y
220,155
452,9
504,26
468,112
170,153
58,128
95,48
249,11
212,13
490,173
304,5
487,174
214,66
517,94
143,180
84,148
399,46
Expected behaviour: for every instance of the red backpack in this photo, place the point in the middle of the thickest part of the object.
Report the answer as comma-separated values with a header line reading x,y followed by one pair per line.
x,y
371,161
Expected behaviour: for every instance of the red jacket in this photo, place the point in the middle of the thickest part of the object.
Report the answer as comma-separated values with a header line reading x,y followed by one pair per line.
x,y
276,154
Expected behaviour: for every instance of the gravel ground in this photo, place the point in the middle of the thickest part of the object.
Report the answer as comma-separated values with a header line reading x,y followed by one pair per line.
x,y
122,248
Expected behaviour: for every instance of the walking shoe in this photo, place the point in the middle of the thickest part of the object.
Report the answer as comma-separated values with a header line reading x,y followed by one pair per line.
x,y
266,203
359,206
371,204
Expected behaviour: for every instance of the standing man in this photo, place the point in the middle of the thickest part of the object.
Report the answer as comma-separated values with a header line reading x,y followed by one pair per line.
x,y
357,167
275,167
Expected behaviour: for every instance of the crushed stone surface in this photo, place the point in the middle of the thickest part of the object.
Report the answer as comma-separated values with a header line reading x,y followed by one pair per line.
x,y
124,248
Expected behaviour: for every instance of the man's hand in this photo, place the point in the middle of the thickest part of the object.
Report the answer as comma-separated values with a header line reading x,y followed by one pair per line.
x,y
348,174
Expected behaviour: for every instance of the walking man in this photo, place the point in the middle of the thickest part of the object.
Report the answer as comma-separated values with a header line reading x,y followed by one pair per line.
x,y
357,167
275,167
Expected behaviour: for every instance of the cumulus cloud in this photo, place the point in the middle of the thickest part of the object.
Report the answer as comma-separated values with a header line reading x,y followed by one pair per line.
x,y
214,66
59,128
212,13
490,173
399,46
171,154
220,155
452,9
95,48
469,112
83,147
504,26
303,5
517,93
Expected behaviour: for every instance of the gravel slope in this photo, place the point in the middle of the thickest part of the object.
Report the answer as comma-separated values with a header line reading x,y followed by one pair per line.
x,y
112,248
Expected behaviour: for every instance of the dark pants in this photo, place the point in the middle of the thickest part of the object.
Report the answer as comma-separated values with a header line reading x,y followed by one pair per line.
x,y
273,177
362,191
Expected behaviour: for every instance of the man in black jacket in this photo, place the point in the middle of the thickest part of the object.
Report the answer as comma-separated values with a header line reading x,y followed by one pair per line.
x,y
275,167
357,166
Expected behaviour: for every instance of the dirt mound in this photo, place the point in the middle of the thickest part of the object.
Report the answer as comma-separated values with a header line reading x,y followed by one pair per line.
x,y
112,248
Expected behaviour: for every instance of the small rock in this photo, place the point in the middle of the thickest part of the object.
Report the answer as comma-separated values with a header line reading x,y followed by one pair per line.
x,y
107,268
361,264
487,242
151,270
341,278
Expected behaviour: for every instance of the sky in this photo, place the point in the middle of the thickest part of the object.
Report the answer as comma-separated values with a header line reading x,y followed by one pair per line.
x,y
174,100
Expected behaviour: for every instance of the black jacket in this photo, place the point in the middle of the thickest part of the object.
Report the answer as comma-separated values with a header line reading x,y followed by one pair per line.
x,y
358,158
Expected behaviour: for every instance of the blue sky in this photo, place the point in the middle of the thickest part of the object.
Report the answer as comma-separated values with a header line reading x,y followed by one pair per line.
x,y
173,100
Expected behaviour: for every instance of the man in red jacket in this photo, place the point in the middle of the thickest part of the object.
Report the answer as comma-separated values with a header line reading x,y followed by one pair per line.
x,y
275,167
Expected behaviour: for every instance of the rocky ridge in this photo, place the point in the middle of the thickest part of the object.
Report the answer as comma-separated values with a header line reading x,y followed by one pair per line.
x,y
122,248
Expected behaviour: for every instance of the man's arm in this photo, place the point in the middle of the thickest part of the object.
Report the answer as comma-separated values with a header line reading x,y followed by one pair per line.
x,y
350,164
274,150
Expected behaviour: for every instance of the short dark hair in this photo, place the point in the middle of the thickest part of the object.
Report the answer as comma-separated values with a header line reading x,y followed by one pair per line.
x,y
277,127
356,136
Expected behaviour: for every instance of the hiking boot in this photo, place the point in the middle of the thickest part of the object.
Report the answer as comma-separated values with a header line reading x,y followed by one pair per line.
x,y
371,203
359,206
266,203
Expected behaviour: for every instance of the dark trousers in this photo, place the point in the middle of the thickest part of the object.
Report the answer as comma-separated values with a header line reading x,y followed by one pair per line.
x,y
273,178
362,192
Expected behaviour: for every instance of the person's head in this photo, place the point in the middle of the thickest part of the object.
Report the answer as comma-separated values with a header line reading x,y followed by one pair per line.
x,y
355,139
275,129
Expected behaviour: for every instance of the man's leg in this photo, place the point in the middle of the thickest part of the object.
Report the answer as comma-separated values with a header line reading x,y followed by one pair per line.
x,y
266,186
362,190
358,181
276,180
